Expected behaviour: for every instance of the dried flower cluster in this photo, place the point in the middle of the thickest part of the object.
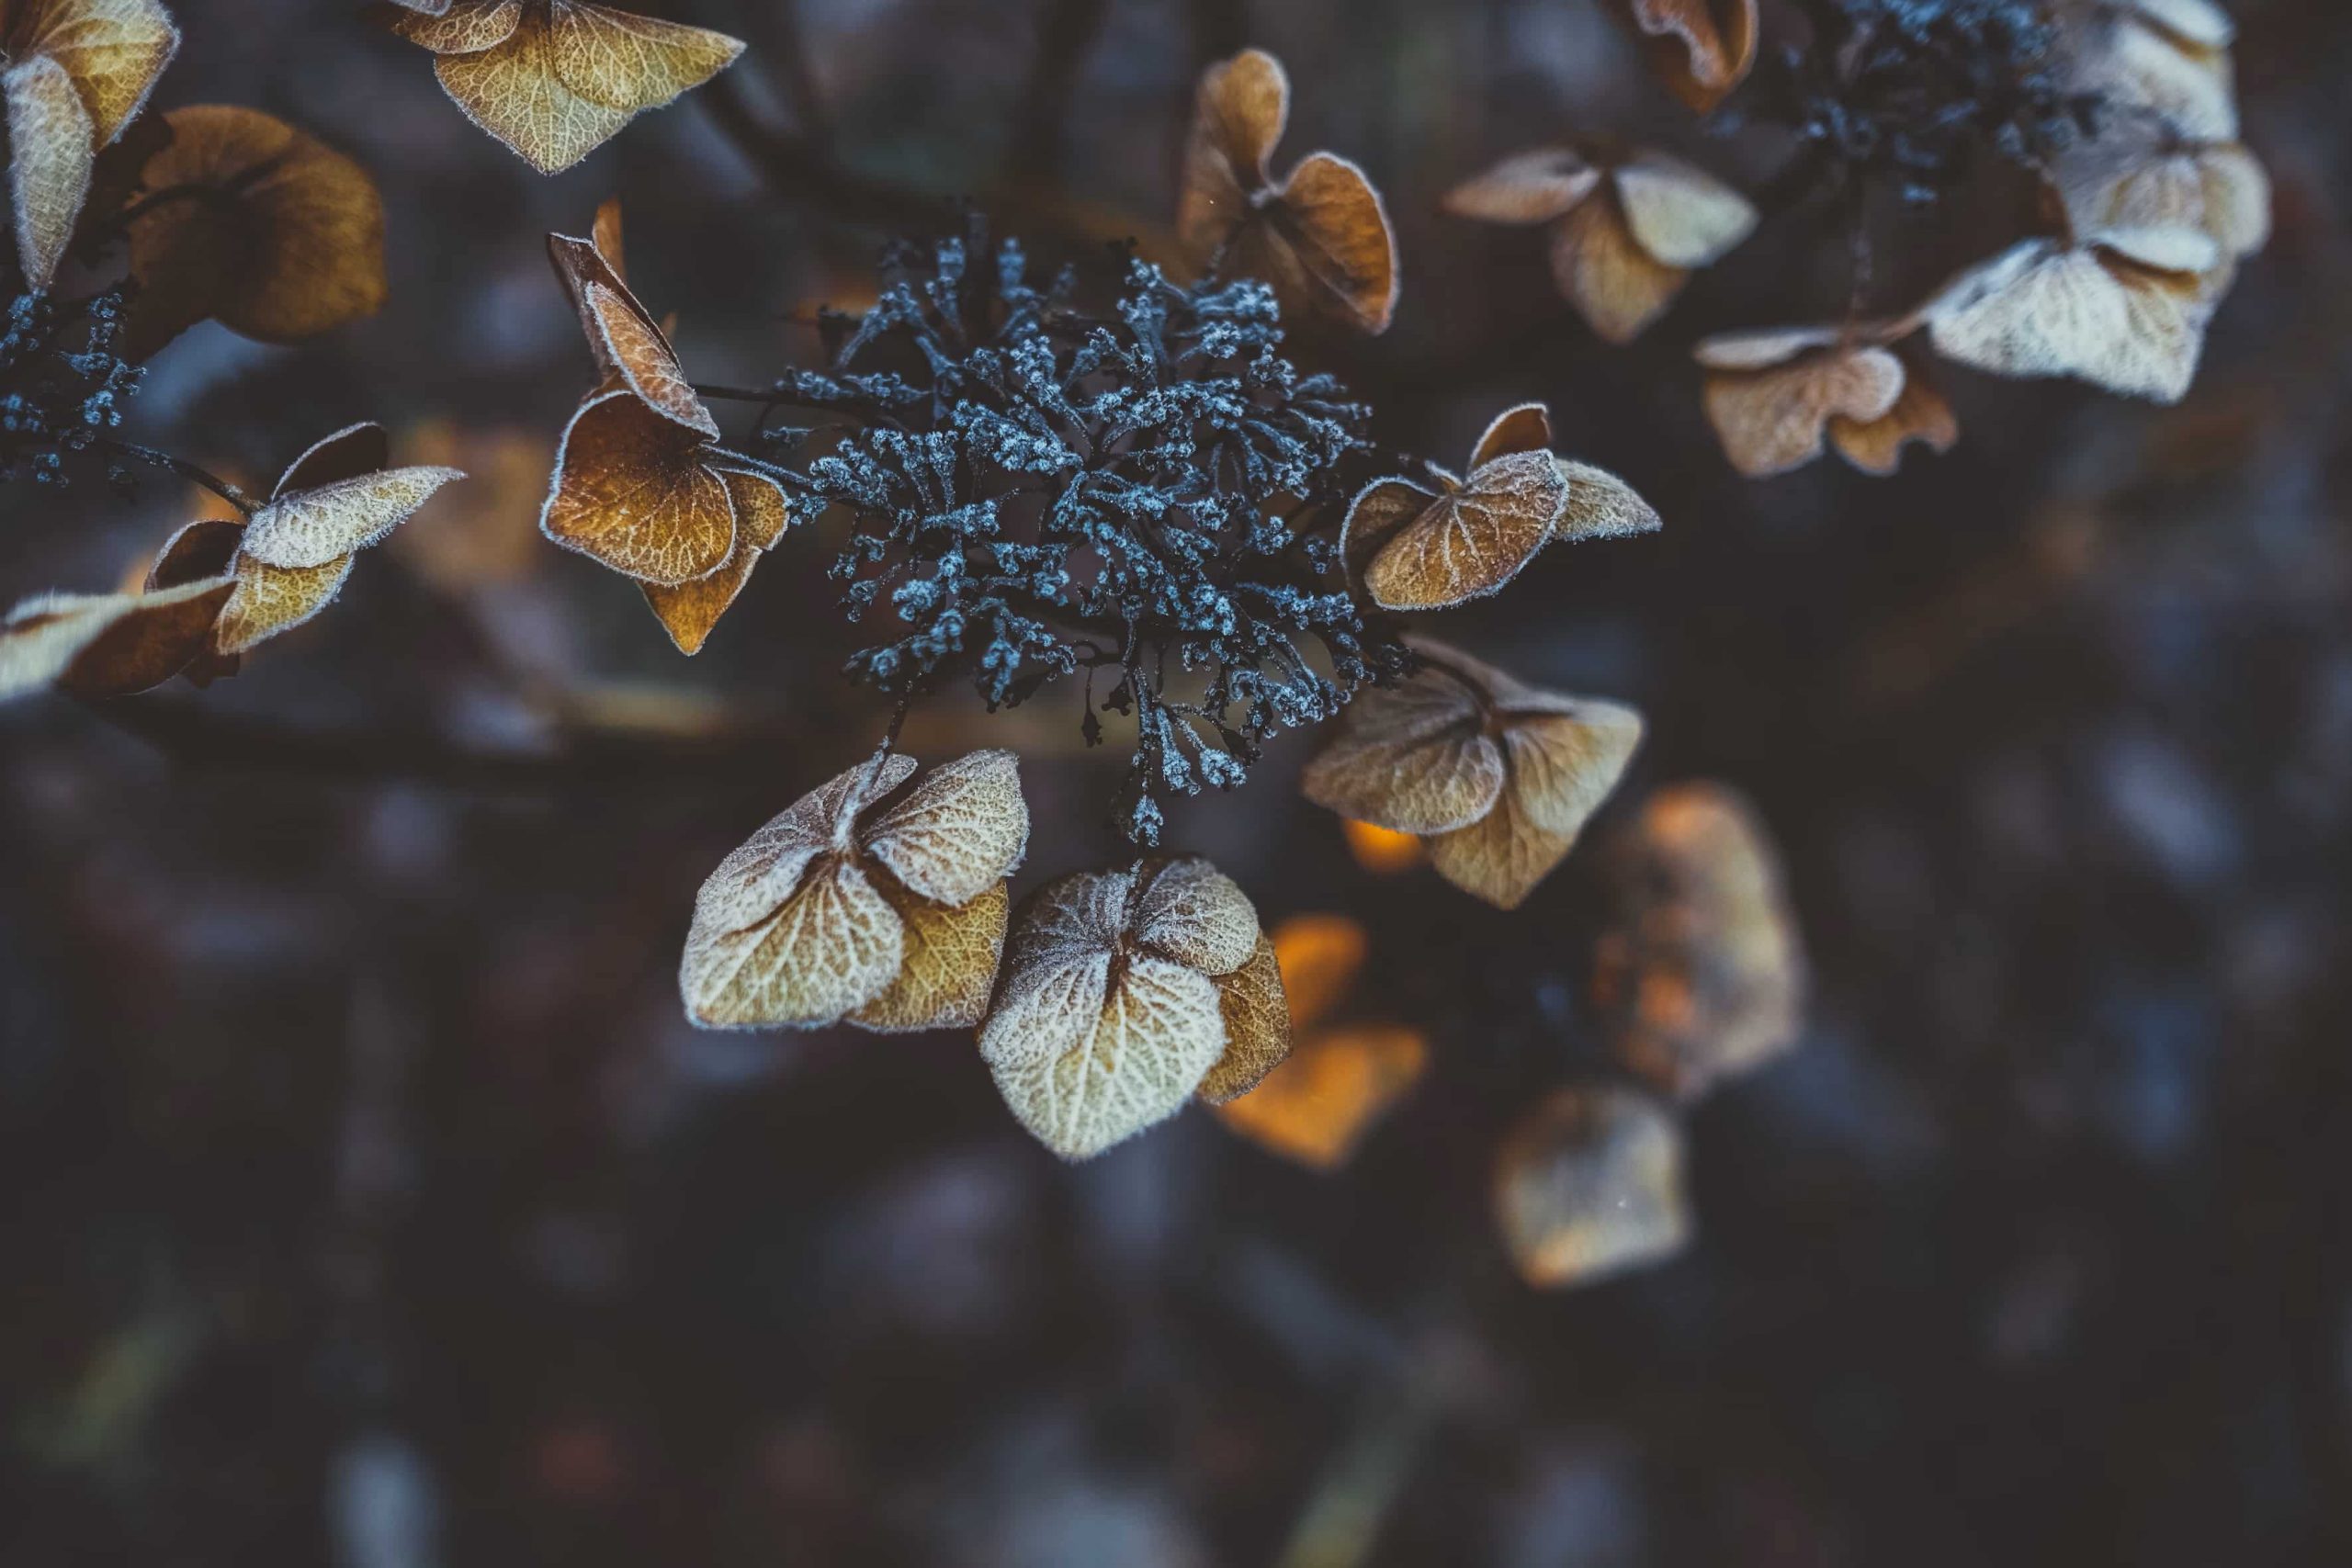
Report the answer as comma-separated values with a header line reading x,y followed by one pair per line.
x,y
62,381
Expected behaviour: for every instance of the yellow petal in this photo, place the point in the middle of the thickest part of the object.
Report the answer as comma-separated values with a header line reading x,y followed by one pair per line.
x,y
961,830
1615,285
514,91
313,527
52,147
1157,1032
834,946
1257,1026
1590,1185
1187,910
631,490
1315,1107
114,50
631,62
1472,542
950,965
1526,187
274,599
1774,420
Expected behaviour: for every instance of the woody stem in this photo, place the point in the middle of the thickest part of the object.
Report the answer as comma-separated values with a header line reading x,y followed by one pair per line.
x,y
186,471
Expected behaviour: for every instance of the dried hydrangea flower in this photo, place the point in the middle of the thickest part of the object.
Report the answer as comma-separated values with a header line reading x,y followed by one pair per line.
x,y
843,909
2140,195
2168,60
1319,235
1776,397
2047,307
1589,1185
1340,1078
1127,993
1701,974
107,645
555,79
1423,549
1701,48
1626,232
1498,777
642,482
77,71
271,233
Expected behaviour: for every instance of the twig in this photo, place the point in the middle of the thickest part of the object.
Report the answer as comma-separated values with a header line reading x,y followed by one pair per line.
x,y
186,471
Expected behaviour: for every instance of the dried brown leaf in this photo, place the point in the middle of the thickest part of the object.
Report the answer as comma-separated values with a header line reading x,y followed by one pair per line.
x,y
107,645
1590,1185
632,488
1524,428
1474,538
1414,758
1776,418
1921,414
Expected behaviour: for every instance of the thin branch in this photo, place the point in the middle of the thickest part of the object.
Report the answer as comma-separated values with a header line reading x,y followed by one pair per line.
x,y
186,471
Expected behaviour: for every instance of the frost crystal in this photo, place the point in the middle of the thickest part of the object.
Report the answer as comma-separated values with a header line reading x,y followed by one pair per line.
x,y
61,383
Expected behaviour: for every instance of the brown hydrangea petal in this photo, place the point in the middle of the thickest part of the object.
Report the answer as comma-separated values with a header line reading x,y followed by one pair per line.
x,y
762,514
1774,420
1473,541
1320,957
1315,1107
1601,506
456,26
1590,1185
1154,1038
1335,231
1187,910
1701,974
1921,414
196,550
1375,517
1257,1027
1526,428
622,333
1565,764
604,234
763,871
286,243
112,50
1701,49
1526,187
314,527
950,965
690,611
633,63
108,645
632,489
274,599
1614,284
1502,857
516,91
1414,757
832,947
1680,214
350,453
53,149
1238,113
959,832
2042,308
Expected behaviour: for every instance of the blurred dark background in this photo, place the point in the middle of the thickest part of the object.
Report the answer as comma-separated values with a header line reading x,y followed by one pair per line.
x,y
369,1202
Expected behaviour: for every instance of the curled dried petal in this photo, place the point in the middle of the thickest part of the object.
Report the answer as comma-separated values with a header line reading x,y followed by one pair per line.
x,y
1601,506
1472,541
959,832
107,645
314,527
632,488
274,599
1526,428
1776,419
2042,308
1414,757
1257,1027
758,875
1701,49
53,150
1921,414
1527,188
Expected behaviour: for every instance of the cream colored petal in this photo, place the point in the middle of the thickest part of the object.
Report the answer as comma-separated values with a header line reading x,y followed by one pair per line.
x,y
2193,90
1473,542
1762,348
1159,1032
1081,913
950,966
1590,1185
52,150
274,599
313,527
1500,858
631,62
1680,214
759,875
2198,22
1047,1005
1601,506
2039,309
960,831
1414,757
834,945
1526,187
1775,420
512,90
1315,1107
1257,1026
1563,765
1615,285
1187,910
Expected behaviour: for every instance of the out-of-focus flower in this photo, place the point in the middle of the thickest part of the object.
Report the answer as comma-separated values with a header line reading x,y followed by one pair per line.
x,y
2048,306
1701,48
891,922
77,71
1701,974
1775,398
1127,993
555,79
2164,59
107,645
1626,232
1340,1078
1320,235
1423,549
1495,777
1589,1185
2139,196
